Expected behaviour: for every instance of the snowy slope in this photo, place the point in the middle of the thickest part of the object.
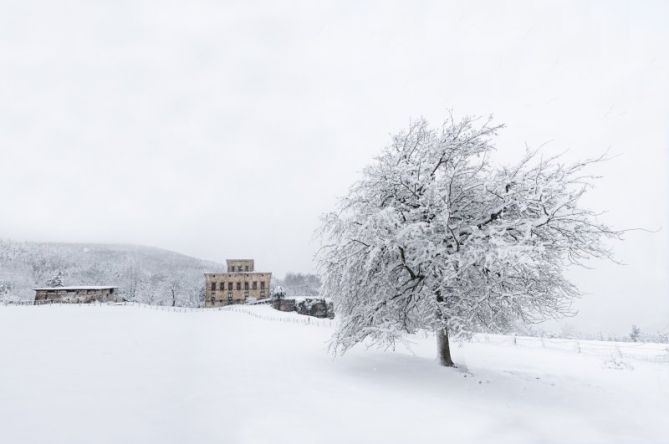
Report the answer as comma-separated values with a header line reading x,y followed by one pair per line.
x,y
131,374
145,274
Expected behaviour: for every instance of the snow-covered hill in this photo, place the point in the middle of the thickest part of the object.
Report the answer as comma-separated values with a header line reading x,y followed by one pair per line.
x,y
145,274
136,374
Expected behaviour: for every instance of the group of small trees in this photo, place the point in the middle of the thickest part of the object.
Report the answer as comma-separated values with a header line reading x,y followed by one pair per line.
x,y
300,284
434,236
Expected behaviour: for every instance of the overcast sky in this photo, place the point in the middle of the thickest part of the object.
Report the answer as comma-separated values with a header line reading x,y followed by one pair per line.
x,y
224,129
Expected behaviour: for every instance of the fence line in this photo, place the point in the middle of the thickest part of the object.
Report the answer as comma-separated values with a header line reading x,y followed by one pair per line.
x,y
653,352
303,320
235,308
645,351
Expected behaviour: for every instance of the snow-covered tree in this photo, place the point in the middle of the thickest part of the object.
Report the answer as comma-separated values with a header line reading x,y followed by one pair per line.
x,y
435,237
635,334
5,288
278,293
55,281
174,286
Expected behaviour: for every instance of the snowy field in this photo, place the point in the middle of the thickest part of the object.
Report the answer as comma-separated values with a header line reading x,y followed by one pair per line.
x,y
130,374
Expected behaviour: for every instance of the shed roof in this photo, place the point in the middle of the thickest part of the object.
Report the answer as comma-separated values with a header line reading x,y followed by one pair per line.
x,y
230,273
80,287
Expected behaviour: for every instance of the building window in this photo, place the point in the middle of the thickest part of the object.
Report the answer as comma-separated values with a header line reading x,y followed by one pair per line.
x,y
222,286
255,285
262,285
229,286
239,285
213,286
246,285
246,268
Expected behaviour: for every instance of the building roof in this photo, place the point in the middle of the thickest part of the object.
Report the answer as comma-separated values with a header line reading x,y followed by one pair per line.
x,y
236,272
80,287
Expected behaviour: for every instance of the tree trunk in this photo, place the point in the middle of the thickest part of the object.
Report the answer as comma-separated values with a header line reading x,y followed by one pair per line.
x,y
443,348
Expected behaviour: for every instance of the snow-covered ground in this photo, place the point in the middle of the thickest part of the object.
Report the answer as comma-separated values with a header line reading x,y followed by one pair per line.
x,y
130,374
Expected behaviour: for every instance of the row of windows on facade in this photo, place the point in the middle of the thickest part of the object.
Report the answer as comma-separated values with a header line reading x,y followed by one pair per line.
x,y
239,268
239,286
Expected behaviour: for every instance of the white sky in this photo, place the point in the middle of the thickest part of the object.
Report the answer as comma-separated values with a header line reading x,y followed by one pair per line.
x,y
223,129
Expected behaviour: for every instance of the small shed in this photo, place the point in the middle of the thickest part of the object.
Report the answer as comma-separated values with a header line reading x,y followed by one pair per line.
x,y
84,294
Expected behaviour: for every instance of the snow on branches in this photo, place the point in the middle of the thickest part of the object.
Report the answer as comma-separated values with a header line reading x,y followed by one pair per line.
x,y
434,236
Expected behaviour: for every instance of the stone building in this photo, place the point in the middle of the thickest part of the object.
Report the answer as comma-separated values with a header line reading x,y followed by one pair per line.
x,y
240,283
76,295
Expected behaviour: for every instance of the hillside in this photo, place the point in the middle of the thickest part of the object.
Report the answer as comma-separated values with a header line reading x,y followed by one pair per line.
x,y
143,274
139,374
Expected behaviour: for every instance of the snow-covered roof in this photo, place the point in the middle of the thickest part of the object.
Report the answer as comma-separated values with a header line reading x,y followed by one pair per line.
x,y
80,287
236,272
